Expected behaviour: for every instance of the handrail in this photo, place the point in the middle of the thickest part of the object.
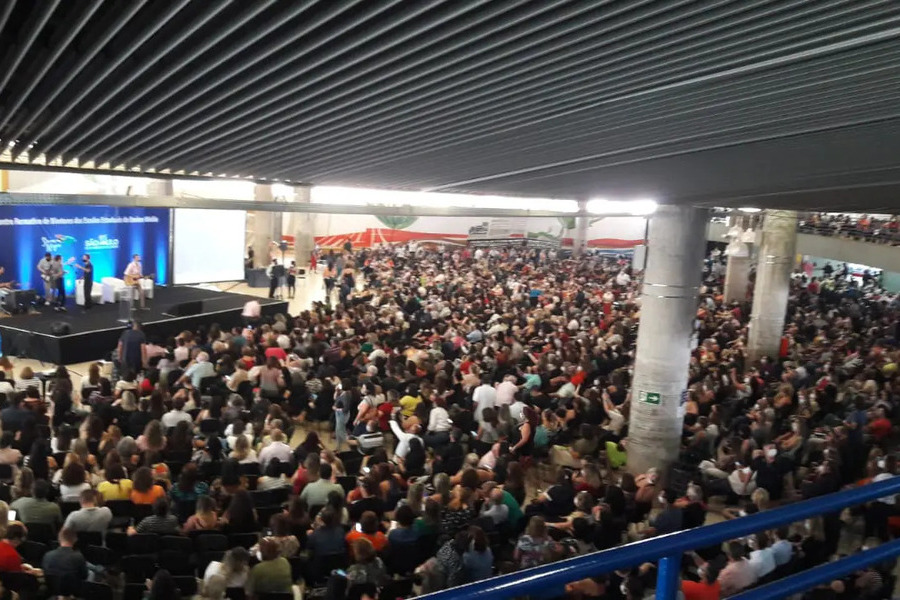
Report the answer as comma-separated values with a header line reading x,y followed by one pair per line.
x,y
669,548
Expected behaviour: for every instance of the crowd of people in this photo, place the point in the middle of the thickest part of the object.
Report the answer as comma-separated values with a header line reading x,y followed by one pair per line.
x,y
871,228
453,414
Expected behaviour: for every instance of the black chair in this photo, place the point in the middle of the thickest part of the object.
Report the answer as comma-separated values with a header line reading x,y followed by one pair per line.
x,y
208,541
265,513
41,532
89,538
352,461
64,585
261,498
122,511
177,543
139,512
298,567
276,596
187,584
208,383
98,555
251,468
134,591
402,559
235,593
349,483
117,541
247,540
321,566
25,585
211,427
175,562
138,567
175,467
32,552
67,508
96,591
280,495
204,558
142,543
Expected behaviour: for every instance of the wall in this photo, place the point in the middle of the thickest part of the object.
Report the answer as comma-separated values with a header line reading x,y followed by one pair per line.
x,y
366,230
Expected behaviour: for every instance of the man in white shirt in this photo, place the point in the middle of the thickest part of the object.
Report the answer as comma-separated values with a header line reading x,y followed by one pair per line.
x,y
506,391
275,449
483,397
439,425
133,275
177,414
403,438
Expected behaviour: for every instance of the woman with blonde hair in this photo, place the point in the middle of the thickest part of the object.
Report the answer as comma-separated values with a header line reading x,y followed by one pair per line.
x,y
415,497
242,452
337,465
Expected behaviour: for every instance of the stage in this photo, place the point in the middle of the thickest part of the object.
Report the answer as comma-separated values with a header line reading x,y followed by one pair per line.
x,y
94,333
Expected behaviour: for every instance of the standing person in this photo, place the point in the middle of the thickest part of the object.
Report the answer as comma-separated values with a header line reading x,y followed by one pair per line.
x,y
58,273
273,278
313,260
134,273
329,276
88,269
45,268
292,279
250,255
132,349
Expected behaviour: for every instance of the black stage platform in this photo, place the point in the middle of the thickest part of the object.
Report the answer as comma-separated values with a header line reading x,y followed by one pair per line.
x,y
95,332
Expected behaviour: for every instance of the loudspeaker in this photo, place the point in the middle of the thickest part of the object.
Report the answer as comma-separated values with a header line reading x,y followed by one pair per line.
x,y
60,328
18,301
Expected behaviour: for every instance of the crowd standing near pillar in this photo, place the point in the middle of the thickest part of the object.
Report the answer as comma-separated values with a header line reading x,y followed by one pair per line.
x,y
451,414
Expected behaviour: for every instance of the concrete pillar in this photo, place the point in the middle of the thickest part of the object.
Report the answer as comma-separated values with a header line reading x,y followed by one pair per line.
x,y
776,256
579,243
675,249
160,187
737,278
262,231
302,228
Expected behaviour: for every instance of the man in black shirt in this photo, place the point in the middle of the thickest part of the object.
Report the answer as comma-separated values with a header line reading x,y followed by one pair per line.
x,y
88,269
66,563
133,348
15,417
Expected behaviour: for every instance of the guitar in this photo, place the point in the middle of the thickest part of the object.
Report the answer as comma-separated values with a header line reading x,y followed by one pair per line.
x,y
46,276
132,280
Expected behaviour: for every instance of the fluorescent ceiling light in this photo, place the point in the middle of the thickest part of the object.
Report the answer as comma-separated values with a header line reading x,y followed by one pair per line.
x,y
749,210
602,206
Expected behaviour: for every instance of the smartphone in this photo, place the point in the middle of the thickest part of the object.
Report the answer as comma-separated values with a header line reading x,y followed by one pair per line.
x,y
340,572
11,515
358,527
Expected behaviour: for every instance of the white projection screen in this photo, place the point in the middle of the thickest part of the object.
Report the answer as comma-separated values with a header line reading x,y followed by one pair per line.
x,y
209,245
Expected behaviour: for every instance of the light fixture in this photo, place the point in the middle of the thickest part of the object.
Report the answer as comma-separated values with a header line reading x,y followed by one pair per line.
x,y
750,210
602,206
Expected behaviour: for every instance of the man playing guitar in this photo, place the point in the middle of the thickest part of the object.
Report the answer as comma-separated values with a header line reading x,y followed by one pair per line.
x,y
133,276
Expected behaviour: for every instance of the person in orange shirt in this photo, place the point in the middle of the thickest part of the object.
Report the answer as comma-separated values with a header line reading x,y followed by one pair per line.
x,y
143,490
368,528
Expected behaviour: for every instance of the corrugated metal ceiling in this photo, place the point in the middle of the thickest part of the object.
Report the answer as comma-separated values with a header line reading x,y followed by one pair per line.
x,y
770,103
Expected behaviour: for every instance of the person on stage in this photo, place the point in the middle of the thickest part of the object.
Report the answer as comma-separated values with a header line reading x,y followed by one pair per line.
x,y
273,278
87,267
133,276
45,268
292,279
58,274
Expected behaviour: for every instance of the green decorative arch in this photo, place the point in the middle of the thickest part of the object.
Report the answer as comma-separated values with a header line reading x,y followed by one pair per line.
x,y
396,222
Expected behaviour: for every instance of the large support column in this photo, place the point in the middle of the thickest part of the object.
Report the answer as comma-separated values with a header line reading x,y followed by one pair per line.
x,y
737,278
302,228
675,248
263,228
777,254
579,243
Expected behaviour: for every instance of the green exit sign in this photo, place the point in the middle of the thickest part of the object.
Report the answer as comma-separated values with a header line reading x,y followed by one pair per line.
x,y
650,398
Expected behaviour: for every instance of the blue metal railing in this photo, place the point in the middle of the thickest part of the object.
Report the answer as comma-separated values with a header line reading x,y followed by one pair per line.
x,y
668,550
